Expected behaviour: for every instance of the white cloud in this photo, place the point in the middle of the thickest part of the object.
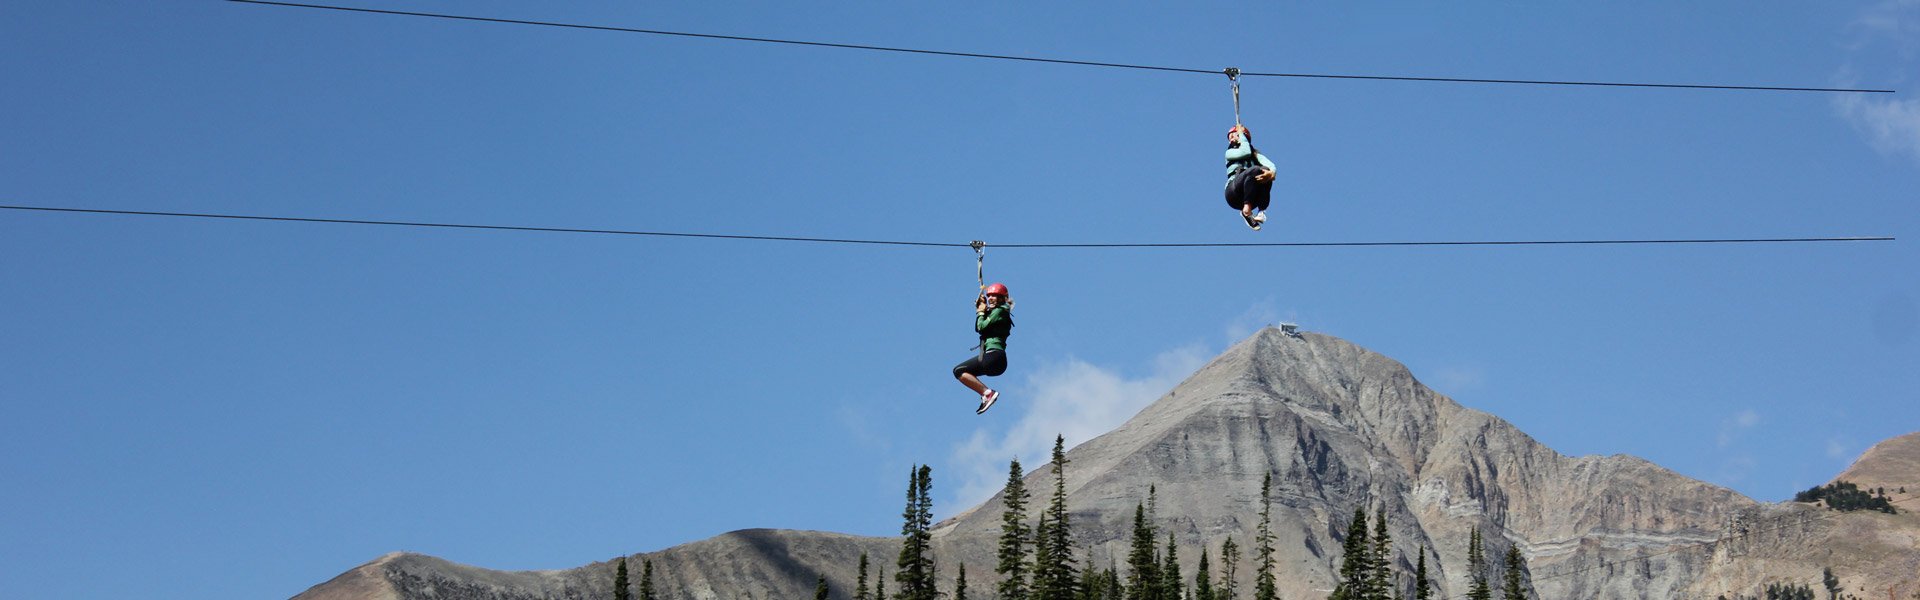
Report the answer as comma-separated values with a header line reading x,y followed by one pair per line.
x,y
1732,426
1074,398
1890,124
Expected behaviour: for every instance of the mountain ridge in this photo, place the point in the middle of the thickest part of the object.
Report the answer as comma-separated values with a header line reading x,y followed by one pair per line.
x,y
1339,426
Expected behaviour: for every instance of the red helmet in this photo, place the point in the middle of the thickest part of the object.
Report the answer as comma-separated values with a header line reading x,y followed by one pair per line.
x,y
1239,128
995,289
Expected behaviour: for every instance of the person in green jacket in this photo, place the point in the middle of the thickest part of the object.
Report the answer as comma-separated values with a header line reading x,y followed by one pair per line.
x,y
1249,177
993,320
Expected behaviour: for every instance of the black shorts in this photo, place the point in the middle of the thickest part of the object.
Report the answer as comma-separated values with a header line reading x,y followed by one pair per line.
x,y
1243,190
991,364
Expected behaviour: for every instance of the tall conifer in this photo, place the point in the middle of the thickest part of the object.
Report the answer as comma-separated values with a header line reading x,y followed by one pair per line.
x,y
1355,561
960,584
915,566
1263,585
1042,556
1143,578
1515,588
1057,578
1380,559
1014,536
1203,578
1171,587
620,586
860,583
1093,582
646,581
820,589
1422,588
1477,568
1229,571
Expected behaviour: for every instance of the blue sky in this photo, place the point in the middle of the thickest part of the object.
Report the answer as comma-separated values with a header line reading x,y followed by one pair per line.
x,y
242,410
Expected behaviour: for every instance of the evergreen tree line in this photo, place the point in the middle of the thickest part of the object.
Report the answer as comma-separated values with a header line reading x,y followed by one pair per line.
x,y
623,589
1847,496
1790,591
1037,562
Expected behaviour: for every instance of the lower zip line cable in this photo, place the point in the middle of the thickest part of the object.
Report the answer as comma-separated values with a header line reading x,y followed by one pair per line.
x,y
977,246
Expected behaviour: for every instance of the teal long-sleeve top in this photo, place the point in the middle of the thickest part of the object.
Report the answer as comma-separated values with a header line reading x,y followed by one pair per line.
x,y
1240,156
994,326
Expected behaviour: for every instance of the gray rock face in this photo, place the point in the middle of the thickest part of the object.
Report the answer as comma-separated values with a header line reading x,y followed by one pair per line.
x,y
1338,426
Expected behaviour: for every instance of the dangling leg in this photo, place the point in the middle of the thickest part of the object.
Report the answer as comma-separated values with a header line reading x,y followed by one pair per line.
x,y
972,383
1260,195
994,365
1239,196
968,374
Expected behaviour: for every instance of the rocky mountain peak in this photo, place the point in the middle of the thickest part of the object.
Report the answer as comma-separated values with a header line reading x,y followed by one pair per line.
x,y
1338,428
1892,464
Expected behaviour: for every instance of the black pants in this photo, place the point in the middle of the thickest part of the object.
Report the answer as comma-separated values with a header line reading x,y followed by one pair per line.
x,y
991,364
1243,190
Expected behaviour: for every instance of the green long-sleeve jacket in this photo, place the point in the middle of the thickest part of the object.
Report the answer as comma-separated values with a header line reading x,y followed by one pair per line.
x,y
994,326
1242,155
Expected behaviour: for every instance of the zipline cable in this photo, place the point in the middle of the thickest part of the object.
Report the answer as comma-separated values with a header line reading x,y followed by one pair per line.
x,y
1084,63
1708,543
485,227
979,249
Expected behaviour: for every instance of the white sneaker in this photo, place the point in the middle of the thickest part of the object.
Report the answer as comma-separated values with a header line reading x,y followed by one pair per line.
x,y
1262,217
986,401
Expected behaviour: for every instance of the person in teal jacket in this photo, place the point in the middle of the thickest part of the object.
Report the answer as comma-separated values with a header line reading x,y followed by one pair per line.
x,y
993,320
1249,177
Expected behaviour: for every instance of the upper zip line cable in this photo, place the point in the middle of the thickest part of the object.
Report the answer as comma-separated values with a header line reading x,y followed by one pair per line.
x,y
1058,61
976,245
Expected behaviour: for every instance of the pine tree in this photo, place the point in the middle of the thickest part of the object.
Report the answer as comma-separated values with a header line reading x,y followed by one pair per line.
x,y
620,587
1516,568
860,585
1354,560
1042,556
1229,571
820,589
1143,580
1013,536
915,574
1171,588
1422,588
880,584
1153,505
1263,584
1202,578
1092,582
1057,578
960,584
1380,560
1477,569
646,581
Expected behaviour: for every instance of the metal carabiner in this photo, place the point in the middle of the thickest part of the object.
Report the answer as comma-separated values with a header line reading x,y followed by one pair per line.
x,y
1233,75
